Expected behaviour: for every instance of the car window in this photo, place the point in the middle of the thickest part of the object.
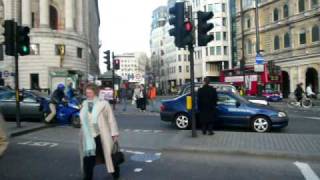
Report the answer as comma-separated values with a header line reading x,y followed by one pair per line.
x,y
29,98
10,96
225,99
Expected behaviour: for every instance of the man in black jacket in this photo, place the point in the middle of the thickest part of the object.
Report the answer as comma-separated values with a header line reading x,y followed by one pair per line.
x,y
207,102
57,97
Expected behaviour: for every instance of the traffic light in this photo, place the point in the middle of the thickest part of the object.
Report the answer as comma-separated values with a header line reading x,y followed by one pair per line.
x,y
116,64
204,27
182,30
23,40
9,37
107,57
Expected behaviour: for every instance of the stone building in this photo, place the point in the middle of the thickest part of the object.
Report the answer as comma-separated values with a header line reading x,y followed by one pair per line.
x,y
289,36
71,24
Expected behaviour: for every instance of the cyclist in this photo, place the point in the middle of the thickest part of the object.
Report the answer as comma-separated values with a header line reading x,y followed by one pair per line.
x,y
310,93
299,92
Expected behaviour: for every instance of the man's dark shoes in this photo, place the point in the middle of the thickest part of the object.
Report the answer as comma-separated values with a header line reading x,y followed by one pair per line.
x,y
211,133
204,132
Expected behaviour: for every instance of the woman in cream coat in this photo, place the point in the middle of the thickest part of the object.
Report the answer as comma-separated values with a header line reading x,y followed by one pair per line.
x,y
99,131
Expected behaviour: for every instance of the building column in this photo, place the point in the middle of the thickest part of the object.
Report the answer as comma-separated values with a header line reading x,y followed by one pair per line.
x,y
44,13
26,12
80,16
69,14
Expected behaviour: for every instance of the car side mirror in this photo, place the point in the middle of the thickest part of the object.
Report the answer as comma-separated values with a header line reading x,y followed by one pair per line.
x,y
238,104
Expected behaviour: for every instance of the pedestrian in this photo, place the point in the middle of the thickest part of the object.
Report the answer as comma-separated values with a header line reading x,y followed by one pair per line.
x,y
142,98
124,96
135,97
299,92
70,91
310,93
152,95
57,97
99,133
3,137
207,102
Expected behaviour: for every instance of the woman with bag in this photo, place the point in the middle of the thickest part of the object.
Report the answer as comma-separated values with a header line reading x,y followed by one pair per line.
x,y
99,133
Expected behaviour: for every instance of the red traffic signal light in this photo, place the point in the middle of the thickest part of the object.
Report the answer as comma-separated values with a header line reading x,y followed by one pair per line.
x,y
116,64
188,26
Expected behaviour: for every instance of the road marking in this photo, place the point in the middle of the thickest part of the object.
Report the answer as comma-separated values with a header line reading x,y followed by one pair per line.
x,y
39,144
143,131
137,170
306,170
315,118
158,154
148,161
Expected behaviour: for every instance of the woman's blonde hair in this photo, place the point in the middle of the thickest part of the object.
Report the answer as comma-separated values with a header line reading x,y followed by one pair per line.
x,y
93,87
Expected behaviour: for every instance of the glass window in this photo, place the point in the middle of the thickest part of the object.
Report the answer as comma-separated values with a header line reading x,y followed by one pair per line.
x,y
207,51
218,36
34,49
187,68
315,33
248,21
180,68
285,11
218,50
249,47
212,50
225,50
29,98
275,14
302,38
10,96
79,52
301,6
314,3
1,52
225,99
179,57
224,21
223,7
225,37
185,57
210,8
287,41
276,43
217,7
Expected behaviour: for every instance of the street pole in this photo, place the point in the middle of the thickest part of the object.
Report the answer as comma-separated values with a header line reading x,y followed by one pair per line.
x,y
16,58
258,45
113,84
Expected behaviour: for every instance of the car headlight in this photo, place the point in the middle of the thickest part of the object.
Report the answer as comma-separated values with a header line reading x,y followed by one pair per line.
x,y
282,114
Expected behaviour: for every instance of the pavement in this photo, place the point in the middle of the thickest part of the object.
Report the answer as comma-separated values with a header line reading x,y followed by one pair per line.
x,y
26,127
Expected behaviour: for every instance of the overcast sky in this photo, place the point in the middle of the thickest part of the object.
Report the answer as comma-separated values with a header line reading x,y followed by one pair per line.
x,y
125,25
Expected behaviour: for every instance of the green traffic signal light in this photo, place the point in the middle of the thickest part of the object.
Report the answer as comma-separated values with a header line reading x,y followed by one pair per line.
x,y
25,49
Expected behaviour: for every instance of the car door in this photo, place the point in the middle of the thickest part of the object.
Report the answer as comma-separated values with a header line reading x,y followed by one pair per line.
x,y
230,111
30,107
8,104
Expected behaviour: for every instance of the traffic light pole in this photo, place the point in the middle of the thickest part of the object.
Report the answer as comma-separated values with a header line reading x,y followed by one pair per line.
x,y
193,113
113,84
16,58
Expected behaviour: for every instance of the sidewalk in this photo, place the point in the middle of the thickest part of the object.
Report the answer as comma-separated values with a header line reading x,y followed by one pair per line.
x,y
241,143
26,127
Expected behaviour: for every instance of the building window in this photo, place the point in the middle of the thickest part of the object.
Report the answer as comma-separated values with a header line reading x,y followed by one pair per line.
x,y
218,50
218,36
223,7
276,43
225,37
180,82
33,21
224,21
207,51
314,3
60,48
34,78
248,22
210,8
301,5
249,47
285,11
179,57
225,50
185,57
315,33
79,52
212,50
53,18
302,38
287,42
180,69
275,14
1,52
187,68
34,49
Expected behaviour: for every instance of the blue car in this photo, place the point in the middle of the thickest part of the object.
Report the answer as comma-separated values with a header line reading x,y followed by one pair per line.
x,y
232,110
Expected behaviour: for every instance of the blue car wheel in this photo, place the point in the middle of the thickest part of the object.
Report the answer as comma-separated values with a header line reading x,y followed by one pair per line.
x,y
182,121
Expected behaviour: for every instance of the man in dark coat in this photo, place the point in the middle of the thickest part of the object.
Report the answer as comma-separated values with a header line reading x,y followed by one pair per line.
x,y
207,102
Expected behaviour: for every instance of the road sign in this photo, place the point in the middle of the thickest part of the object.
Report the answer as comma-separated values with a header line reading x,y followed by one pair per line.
x,y
258,68
259,59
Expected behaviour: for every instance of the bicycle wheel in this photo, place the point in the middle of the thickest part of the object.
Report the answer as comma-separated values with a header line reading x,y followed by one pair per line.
x,y
307,103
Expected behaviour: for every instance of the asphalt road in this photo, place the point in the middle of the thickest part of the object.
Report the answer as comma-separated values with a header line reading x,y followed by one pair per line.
x,y
52,154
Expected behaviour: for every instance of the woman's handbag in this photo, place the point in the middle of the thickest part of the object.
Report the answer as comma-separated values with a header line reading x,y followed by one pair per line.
x,y
117,155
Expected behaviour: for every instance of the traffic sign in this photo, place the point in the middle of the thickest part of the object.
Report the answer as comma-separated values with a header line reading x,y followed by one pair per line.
x,y
259,59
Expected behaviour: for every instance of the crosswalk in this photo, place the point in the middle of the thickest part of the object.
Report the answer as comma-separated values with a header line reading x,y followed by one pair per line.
x,y
146,131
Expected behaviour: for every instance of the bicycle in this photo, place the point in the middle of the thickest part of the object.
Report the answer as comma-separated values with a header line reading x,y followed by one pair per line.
x,y
305,102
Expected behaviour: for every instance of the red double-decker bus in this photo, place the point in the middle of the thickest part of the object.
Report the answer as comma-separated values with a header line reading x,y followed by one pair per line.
x,y
270,79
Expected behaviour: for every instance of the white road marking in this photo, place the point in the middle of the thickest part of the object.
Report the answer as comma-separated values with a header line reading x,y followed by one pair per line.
x,y
143,131
158,154
137,170
134,152
315,118
148,161
39,144
306,170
